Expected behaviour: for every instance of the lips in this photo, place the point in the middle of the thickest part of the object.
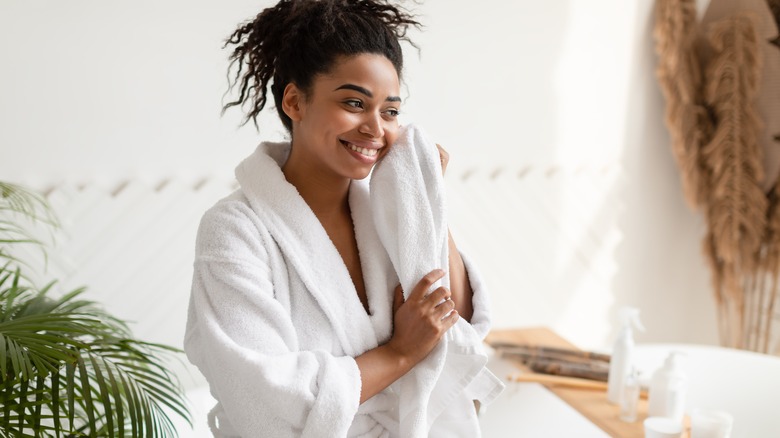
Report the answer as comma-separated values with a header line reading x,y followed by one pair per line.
x,y
369,150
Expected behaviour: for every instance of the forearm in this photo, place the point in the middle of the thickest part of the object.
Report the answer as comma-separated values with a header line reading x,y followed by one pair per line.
x,y
379,368
459,283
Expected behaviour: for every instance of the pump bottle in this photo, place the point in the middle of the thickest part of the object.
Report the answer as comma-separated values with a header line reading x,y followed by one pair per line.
x,y
622,351
668,388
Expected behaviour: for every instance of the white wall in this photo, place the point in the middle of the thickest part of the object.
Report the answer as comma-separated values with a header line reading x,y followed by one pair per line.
x,y
96,90
552,107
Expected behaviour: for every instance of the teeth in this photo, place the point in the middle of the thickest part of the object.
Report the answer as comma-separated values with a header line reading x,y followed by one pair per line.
x,y
364,151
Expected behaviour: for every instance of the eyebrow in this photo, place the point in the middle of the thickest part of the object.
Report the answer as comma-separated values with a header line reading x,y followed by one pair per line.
x,y
362,90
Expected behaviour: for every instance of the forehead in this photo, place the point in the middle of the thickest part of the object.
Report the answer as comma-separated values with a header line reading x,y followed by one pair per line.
x,y
373,72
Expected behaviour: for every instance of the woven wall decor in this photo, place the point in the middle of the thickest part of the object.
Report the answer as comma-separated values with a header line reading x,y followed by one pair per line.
x,y
720,76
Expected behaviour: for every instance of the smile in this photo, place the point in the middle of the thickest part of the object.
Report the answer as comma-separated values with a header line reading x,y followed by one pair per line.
x,y
368,152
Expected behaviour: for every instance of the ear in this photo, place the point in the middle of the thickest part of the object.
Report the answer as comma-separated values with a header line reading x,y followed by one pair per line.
x,y
292,102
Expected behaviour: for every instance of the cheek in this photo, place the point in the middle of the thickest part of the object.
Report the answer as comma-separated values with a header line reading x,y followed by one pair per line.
x,y
391,133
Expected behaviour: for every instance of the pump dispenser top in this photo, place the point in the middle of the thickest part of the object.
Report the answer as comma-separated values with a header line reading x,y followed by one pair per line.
x,y
622,351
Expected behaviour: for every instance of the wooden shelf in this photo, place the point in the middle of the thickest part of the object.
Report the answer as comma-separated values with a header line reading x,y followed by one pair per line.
x,y
590,403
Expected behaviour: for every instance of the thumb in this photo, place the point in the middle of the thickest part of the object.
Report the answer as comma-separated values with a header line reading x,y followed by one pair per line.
x,y
398,298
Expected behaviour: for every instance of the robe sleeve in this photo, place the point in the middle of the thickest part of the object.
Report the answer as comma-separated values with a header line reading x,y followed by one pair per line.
x,y
243,340
480,319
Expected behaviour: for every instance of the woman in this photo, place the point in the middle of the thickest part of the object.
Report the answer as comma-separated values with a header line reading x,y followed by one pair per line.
x,y
285,274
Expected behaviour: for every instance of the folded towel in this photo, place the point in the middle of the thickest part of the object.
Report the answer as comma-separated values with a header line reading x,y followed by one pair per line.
x,y
409,210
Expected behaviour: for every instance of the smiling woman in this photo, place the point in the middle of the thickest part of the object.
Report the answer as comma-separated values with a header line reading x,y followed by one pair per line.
x,y
296,317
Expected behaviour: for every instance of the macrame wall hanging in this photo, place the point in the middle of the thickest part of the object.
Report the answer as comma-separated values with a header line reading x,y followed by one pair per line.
x,y
720,76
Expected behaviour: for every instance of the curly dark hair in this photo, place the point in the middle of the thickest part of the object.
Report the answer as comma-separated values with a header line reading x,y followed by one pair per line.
x,y
296,40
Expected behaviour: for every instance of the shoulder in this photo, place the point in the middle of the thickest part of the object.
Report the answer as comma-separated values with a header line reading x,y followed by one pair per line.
x,y
233,211
230,229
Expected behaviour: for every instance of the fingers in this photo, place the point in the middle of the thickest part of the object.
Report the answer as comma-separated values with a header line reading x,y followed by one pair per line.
x,y
450,320
421,289
420,321
438,295
444,308
444,158
437,307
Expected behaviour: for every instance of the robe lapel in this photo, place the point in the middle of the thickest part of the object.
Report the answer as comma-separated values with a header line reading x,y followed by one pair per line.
x,y
305,244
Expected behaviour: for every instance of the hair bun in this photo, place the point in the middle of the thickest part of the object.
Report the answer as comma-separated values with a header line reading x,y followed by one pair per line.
x,y
295,40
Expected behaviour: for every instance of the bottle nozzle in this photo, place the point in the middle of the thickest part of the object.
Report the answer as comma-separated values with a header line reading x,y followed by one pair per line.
x,y
629,316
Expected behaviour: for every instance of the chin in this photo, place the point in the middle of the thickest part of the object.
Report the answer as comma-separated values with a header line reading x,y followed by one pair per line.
x,y
362,173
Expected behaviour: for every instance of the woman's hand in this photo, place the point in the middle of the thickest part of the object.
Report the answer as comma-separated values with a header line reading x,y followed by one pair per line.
x,y
421,320
444,157
418,325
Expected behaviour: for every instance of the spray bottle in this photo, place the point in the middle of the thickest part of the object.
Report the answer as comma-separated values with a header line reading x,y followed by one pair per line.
x,y
622,351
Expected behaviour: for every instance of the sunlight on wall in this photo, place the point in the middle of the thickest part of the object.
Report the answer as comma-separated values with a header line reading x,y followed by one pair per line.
x,y
592,83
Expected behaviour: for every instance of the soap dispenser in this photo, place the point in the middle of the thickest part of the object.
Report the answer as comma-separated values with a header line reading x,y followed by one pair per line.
x,y
668,388
622,351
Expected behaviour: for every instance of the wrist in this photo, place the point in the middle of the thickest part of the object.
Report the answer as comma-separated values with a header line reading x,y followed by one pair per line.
x,y
402,361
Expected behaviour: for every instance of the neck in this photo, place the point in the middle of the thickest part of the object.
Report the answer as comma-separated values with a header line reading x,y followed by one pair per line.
x,y
325,193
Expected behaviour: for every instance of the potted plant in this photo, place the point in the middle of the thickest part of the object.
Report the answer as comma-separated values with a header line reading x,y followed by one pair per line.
x,y
68,368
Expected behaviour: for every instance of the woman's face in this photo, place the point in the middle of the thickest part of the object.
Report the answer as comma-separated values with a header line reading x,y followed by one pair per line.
x,y
350,117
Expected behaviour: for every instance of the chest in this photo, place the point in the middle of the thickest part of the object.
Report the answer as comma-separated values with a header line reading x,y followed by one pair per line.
x,y
342,234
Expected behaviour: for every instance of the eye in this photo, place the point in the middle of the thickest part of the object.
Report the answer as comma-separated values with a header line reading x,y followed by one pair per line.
x,y
391,113
354,103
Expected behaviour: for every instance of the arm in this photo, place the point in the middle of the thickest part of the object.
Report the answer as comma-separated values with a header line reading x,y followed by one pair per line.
x,y
460,285
379,368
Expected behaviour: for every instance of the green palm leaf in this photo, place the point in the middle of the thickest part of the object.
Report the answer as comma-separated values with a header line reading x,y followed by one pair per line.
x,y
112,384
67,367
30,204
19,206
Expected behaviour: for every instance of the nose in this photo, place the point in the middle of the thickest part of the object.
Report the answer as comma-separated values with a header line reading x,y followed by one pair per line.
x,y
372,125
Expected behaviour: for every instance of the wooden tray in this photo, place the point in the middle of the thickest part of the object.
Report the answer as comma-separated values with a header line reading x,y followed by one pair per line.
x,y
592,404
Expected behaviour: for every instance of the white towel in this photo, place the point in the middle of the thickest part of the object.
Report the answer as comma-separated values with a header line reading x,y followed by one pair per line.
x,y
409,210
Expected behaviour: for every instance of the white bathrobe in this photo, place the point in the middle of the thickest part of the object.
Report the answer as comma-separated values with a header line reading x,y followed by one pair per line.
x,y
275,322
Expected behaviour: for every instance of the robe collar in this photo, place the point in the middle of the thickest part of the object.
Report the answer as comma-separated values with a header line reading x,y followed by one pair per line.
x,y
309,251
